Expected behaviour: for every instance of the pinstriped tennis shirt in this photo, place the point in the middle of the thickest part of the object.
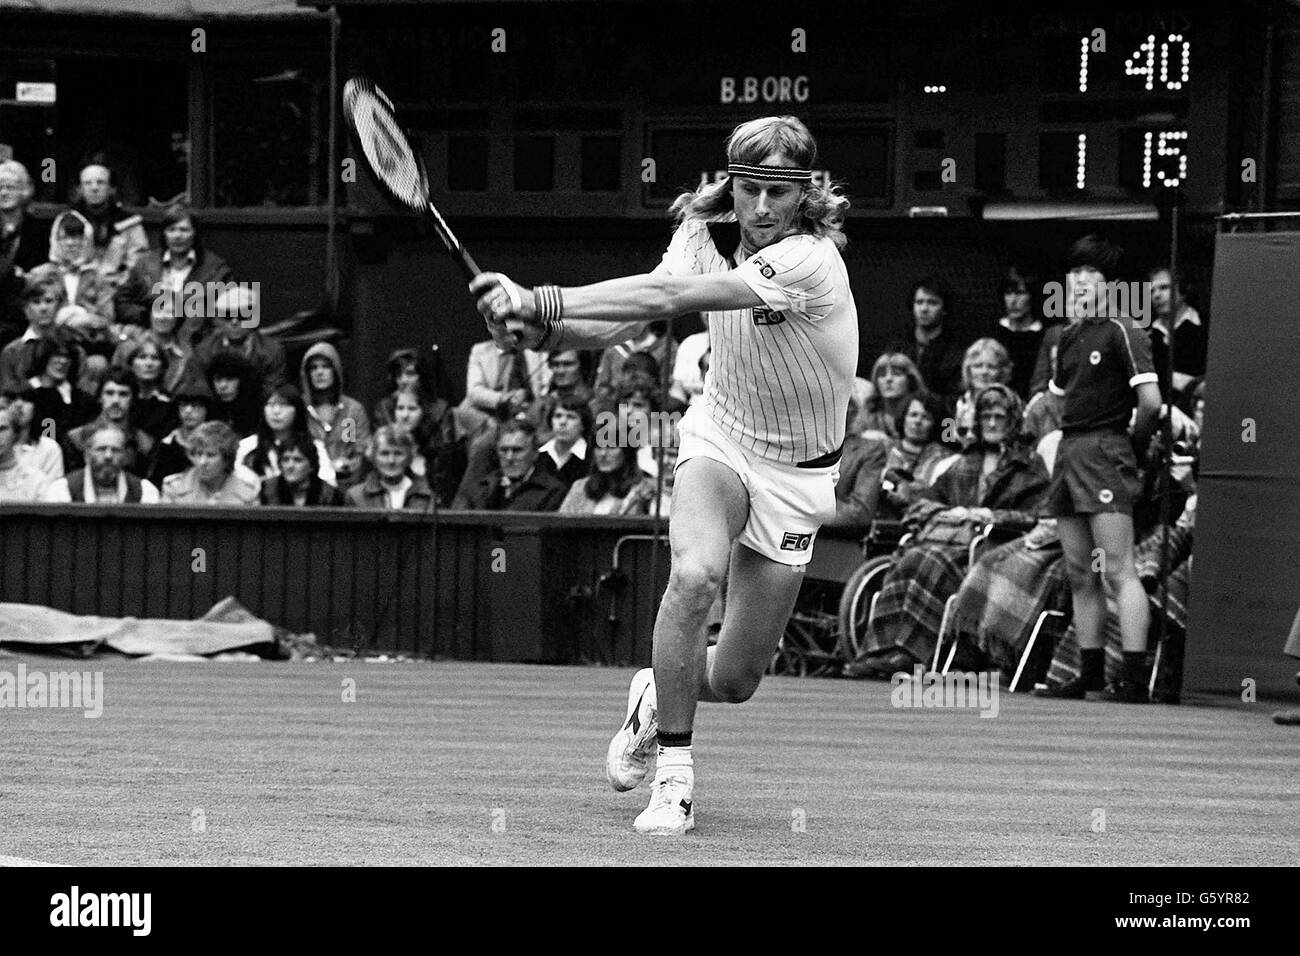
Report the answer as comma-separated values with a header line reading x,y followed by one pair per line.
x,y
780,374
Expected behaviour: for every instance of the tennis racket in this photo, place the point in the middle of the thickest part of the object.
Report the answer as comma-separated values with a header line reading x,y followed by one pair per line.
x,y
394,162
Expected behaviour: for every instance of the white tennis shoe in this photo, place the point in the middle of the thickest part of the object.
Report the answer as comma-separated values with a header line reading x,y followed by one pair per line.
x,y
670,812
627,760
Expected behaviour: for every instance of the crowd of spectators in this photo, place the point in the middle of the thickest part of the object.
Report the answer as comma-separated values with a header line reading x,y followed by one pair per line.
x,y
111,391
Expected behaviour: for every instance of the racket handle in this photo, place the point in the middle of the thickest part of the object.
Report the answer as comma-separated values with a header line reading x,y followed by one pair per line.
x,y
467,264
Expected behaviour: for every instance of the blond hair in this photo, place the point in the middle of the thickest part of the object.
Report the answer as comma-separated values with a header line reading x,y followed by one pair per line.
x,y
821,208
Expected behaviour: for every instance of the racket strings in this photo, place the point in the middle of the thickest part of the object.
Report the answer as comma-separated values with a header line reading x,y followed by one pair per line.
x,y
387,150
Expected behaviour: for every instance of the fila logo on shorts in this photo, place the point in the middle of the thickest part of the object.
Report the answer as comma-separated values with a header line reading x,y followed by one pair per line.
x,y
765,316
791,541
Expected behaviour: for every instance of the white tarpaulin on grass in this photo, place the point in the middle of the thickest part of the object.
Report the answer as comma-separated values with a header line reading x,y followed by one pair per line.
x,y
226,627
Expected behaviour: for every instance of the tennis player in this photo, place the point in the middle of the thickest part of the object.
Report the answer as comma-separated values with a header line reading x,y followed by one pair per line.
x,y
759,254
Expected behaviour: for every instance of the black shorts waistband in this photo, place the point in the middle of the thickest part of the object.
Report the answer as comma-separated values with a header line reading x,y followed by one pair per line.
x,y
825,461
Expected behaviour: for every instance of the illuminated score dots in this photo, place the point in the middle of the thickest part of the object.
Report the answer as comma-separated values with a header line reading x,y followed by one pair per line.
x,y
935,89
1185,56
1081,168
1083,65
1163,147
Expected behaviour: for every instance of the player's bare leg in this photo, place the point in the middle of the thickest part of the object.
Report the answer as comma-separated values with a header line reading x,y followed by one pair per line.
x,y
761,594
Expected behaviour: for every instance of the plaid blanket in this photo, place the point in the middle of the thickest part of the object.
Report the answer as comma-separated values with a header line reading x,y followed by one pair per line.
x,y
1001,598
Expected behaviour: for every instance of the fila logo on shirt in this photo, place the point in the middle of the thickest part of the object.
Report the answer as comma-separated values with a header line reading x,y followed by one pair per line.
x,y
791,541
763,267
765,316
1095,357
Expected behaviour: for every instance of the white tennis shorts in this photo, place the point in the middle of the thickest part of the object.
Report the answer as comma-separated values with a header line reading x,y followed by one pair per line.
x,y
787,504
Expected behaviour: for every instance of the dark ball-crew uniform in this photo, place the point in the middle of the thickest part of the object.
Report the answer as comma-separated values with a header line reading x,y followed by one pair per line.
x,y
1100,363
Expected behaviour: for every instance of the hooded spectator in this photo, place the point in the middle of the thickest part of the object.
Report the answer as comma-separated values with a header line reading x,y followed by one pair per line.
x,y
334,418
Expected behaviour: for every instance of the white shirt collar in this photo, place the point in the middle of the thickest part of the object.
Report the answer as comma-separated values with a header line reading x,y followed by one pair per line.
x,y
1035,326
579,449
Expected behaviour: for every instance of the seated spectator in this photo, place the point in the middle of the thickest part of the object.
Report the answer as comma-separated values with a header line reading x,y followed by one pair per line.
x,y
33,448
439,455
996,480
654,342
498,386
566,380
298,482
986,363
415,369
638,418
58,405
1020,330
119,237
613,486
929,340
517,484
283,417
237,392
894,381
182,261
390,486
913,462
162,327
565,455
234,331
24,245
1189,337
118,392
19,480
211,478
688,373
88,308
336,419
154,410
104,480
41,298
194,400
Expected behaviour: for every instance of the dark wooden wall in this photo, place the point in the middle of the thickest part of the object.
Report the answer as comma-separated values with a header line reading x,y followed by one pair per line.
x,y
433,586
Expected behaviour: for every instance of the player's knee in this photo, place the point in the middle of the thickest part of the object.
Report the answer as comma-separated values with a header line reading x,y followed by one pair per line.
x,y
734,688
694,580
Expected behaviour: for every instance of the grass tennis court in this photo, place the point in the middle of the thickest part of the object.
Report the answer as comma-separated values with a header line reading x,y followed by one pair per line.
x,y
462,763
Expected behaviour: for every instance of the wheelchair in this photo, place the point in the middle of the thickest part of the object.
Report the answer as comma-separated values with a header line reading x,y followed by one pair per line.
x,y
862,590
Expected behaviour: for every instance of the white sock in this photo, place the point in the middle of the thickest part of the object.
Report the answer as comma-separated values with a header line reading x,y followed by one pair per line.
x,y
674,758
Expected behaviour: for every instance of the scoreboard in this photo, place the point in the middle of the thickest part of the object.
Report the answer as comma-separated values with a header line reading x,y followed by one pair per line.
x,y
595,109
